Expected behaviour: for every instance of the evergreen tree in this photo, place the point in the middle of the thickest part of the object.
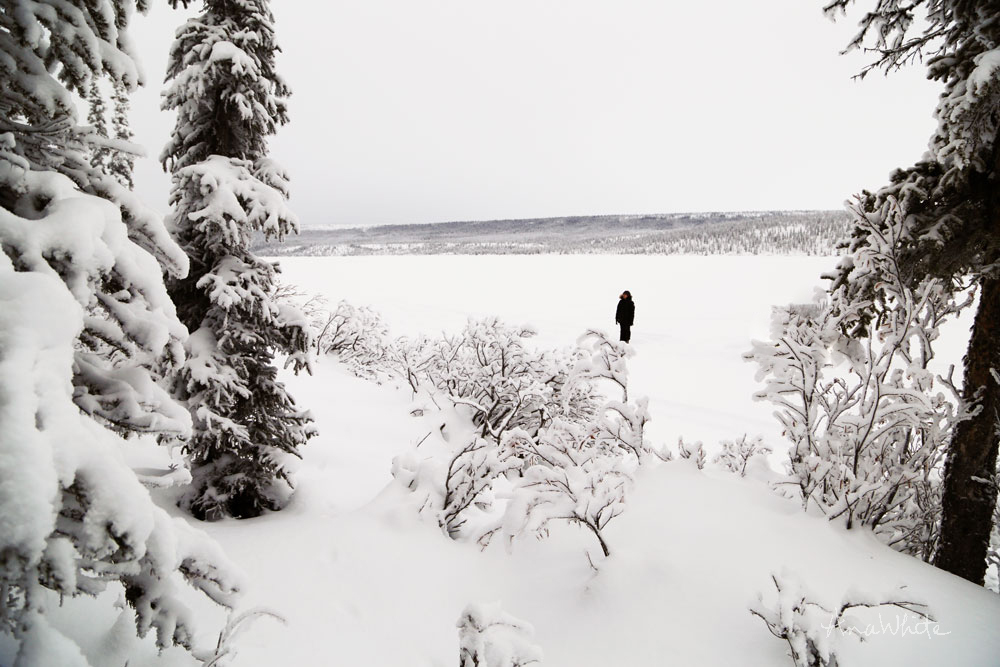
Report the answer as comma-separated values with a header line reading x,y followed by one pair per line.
x,y
229,99
944,213
84,316
97,118
121,162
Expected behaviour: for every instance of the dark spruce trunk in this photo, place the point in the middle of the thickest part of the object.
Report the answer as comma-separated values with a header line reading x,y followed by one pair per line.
x,y
969,495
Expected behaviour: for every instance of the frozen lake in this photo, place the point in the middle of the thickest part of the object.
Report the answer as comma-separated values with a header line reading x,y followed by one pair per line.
x,y
695,316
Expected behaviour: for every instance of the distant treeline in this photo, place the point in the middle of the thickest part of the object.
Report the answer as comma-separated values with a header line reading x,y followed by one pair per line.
x,y
745,233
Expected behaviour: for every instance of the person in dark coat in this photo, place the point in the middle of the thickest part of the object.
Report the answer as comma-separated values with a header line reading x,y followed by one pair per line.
x,y
625,315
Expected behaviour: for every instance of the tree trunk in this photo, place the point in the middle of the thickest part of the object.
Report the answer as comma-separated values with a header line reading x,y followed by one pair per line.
x,y
969,495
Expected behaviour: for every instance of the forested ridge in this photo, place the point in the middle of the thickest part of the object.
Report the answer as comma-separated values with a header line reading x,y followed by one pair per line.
x,y
741,233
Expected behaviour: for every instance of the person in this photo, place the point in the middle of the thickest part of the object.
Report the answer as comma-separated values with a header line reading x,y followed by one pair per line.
x,y
625,315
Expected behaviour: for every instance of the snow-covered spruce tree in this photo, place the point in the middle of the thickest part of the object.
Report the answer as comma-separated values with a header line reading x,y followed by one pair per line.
x,y
121,161
111,154
950,203
97,117
228,100
83,316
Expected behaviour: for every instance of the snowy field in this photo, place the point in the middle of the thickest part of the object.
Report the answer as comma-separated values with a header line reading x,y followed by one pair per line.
x,y
695,316
363,581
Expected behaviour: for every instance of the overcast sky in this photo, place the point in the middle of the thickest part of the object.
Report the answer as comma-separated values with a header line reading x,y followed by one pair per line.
x,y
406,111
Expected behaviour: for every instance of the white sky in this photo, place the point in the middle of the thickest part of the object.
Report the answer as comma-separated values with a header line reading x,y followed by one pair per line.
x,y
408,111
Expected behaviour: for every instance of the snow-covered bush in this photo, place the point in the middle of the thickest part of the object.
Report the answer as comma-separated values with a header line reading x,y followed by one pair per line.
x,y
737,455
225,648
351,332
490,370
813,631
802,623
568,473
695,452
355,335
622,422
469,480
490,637
868,426
404,357
607,359
537,423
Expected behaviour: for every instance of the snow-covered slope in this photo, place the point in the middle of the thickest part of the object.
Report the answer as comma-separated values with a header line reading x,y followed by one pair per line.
x,y
363,581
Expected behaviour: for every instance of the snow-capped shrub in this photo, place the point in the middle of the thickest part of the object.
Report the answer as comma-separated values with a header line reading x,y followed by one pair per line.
x,y
489,369
605,359
601,358
736,455
538,423
568,473
226,647
470,478
490,637
802,623
404,358
695,452
868,426
813,631
355,334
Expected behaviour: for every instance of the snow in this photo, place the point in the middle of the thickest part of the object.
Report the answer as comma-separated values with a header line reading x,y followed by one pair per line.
x,y
34,342
489,636
690,553
966,126
363,579
75,515
234,199
41,644
986,66
242,63
695,317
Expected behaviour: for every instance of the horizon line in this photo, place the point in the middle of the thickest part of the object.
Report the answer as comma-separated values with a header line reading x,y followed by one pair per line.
x,y
736,212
